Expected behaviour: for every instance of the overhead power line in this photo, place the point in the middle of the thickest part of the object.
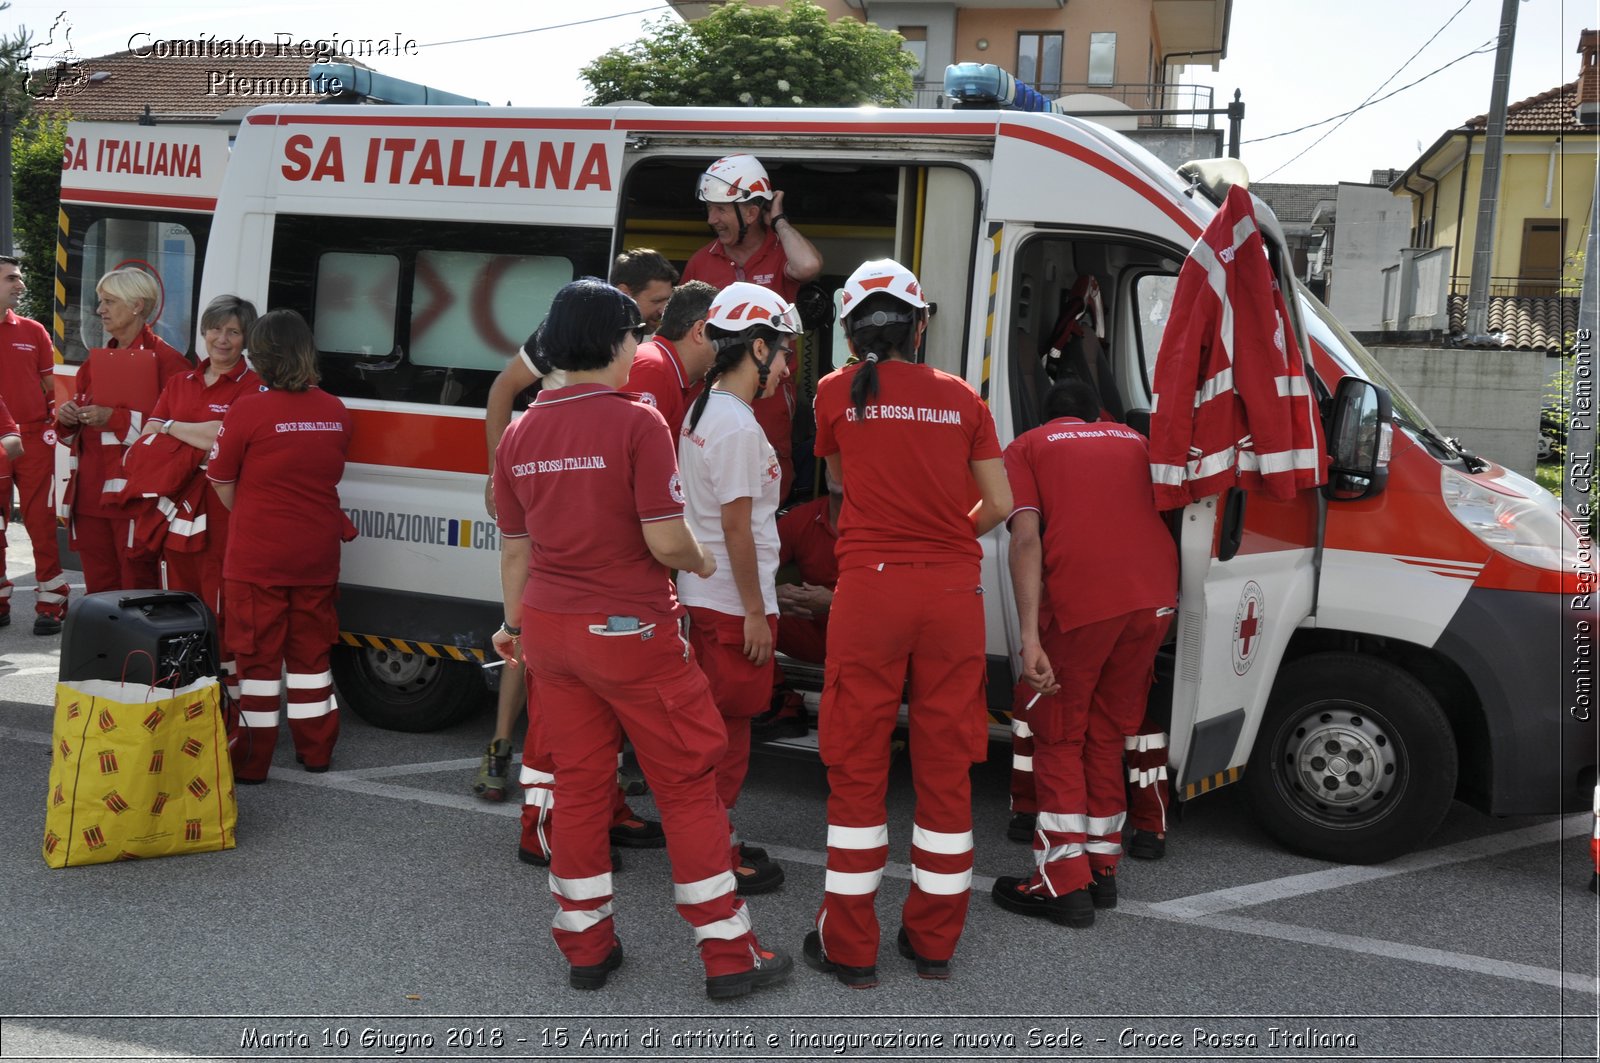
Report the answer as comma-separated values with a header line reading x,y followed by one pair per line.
x,y
544,29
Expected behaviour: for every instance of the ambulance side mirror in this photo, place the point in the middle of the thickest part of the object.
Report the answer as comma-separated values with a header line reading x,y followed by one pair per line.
x,y
1360,435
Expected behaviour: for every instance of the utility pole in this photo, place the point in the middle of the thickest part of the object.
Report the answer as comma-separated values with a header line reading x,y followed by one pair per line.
x,y
1489,189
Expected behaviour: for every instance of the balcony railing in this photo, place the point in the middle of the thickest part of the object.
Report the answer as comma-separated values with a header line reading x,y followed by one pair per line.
x,y
1193,100
1524,286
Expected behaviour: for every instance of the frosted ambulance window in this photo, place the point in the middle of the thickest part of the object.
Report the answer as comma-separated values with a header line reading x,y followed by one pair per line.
x,y
356,301
471,310
1152,305
163,248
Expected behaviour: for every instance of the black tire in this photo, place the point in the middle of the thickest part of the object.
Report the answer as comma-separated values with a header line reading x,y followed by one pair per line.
x,y
407,691
1355,761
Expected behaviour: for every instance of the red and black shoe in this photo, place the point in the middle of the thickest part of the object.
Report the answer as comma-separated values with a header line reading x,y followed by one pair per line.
x,y
854,977
771,966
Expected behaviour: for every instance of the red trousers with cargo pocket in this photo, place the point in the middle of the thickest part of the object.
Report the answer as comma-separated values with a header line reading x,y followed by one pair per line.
x,y
590,688
34,473
538,781
887,620
281,638
741,690
1105,670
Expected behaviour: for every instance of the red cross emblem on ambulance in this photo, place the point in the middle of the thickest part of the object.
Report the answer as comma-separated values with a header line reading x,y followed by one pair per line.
x,y
1249,625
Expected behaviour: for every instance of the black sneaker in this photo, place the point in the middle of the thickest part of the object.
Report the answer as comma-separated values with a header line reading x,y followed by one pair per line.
x,y
44,625
771,966
5,619
752,854
1021,827
1076,909
933,970
595,974
528,856
639,834
817,960
759,876
1147,845
1103,890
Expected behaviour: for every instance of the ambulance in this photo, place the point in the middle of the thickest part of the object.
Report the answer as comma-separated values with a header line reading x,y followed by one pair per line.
x,y
1420,630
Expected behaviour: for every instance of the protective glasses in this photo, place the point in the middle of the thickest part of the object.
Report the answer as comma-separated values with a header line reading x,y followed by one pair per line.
x,y
640,331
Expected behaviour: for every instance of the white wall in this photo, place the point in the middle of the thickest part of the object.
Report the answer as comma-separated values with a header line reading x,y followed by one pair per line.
x,y
1371,228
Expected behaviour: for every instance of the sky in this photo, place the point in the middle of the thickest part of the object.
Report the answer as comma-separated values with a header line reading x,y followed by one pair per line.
x,y
1296,61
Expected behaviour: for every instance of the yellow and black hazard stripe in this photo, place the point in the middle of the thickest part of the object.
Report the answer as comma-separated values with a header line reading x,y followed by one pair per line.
x,y
59,326
426,649
1212,782
995,230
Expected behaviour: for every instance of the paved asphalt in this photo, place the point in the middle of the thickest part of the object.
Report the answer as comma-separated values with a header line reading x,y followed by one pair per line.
x,y
379,911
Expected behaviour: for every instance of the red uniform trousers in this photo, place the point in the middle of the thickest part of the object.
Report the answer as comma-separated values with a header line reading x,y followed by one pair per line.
x,y
804,639
1105,670
538,781
591,688
741,691
200,573
109,563
281,637
34,473
1145,754
886,619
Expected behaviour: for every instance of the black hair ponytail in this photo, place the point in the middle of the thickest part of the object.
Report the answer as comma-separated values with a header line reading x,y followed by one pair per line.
x,y
731,349
882,325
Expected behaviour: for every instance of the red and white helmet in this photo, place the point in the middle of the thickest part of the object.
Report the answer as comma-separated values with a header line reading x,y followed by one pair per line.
x,y
735,179
742,305
881,275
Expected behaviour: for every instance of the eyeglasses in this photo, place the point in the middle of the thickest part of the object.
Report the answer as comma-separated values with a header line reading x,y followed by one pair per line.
x,y
640,331
787,352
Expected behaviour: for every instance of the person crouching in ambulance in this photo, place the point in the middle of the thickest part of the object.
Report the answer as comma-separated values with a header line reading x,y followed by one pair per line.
x,y
731,480
276,464
916,451
590,510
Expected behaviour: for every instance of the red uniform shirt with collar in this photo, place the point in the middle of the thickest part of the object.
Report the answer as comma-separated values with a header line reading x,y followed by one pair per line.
x,y
1107,551
587,466
768,266
26,357
284,451
98,458
187,397
907,489
659,379
806,538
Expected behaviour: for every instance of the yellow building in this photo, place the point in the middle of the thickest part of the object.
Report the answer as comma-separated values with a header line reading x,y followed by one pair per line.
x,y
1547,187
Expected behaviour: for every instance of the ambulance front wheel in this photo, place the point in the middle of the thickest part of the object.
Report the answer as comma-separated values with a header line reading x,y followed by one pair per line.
x,y
1355,761
406,691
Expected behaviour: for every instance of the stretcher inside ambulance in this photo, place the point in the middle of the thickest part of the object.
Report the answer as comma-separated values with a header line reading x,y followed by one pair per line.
x,y
1368,653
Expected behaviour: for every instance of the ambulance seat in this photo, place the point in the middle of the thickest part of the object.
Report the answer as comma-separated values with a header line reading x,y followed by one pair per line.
x,y
1139,421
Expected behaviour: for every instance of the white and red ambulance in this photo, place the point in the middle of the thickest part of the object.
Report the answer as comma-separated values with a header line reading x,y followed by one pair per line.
x,y
1418,632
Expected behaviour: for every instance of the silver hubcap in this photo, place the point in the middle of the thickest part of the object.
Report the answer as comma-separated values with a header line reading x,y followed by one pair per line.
x,y
1342,763
407,671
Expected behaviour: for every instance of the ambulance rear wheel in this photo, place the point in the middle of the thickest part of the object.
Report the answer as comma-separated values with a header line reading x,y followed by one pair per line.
x,y
1355,761
406,691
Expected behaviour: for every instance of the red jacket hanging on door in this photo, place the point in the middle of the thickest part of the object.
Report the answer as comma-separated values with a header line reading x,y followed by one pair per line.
x,y
1232,405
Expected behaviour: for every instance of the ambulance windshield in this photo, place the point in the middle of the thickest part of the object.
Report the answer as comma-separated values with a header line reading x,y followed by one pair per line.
x,y
1334,338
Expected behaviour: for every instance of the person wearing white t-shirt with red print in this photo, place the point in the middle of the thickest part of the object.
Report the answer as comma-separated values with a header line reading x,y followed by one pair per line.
x,y
731,486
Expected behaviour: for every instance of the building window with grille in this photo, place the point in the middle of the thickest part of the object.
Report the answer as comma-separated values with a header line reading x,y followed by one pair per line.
x,y
1102,58
916,42
1039,60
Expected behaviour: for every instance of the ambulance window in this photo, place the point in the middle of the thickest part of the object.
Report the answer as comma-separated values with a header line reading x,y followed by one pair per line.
x,y
469,310
1152,303
164,247
355,303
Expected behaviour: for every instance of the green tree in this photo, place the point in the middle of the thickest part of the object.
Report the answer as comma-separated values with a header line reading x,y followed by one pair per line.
x,y
36,148
740,55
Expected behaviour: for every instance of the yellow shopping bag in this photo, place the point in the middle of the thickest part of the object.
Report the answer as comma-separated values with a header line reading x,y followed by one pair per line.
x,y
137,771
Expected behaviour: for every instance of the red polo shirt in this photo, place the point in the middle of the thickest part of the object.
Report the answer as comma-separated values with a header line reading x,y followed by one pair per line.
x,y
26,357
907,485
806,538
659,379
188,398
8,427
1106,550
768,267
587,466
285,452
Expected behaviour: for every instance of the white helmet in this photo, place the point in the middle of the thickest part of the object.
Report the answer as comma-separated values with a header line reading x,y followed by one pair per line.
x,y
735,179
882,275
742,305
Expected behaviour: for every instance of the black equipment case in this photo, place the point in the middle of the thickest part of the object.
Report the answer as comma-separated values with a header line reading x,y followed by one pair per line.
x,y
151,637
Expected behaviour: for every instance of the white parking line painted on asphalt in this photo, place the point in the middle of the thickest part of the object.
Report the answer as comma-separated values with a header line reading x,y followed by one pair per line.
x,y
1201,910
1204,904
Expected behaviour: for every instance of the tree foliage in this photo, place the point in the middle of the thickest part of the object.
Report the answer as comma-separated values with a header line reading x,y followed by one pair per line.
x,y
36,148
740,55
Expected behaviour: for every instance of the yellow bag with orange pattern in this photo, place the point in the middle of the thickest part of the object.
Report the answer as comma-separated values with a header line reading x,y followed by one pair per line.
x,y
136,772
